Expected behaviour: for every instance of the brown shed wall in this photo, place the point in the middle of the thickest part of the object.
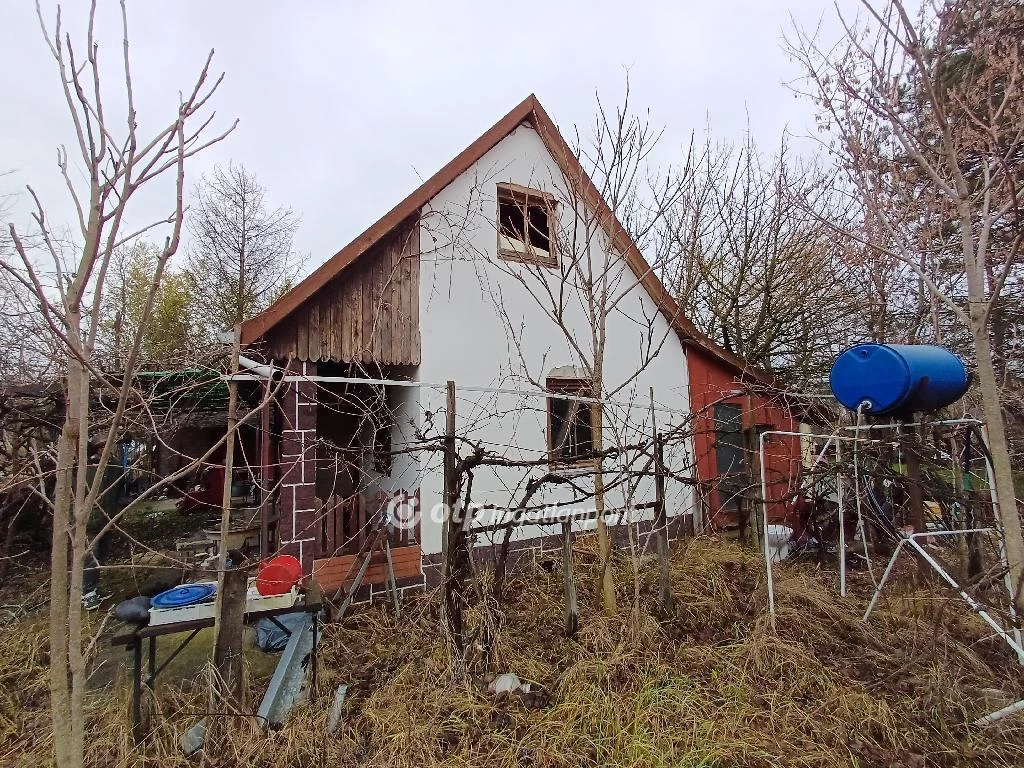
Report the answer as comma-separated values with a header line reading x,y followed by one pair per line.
x,y
367,314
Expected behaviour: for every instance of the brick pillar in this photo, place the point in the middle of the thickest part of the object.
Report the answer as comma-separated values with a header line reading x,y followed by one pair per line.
x,y
297,529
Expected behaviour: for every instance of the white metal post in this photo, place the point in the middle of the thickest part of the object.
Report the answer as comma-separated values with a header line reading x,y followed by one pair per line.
x,y
842,522
764,532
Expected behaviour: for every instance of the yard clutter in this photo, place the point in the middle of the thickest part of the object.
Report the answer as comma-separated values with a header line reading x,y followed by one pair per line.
x,y
710,684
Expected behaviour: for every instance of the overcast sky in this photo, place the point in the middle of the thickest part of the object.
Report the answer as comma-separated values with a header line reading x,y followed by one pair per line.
x,y
345,107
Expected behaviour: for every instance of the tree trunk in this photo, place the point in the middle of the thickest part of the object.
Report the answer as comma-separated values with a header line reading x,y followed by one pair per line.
x,y
60,556
979,308
1006,499
67,554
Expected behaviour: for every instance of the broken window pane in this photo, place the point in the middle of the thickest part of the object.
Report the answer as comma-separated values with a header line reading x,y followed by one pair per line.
x,y
540,237
510,219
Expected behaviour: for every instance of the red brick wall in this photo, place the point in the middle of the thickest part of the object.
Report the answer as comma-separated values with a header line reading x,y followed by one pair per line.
x,y
298,528
710,381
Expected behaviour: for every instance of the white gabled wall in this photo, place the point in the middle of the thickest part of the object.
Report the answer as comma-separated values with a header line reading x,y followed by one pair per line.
x,y
465,338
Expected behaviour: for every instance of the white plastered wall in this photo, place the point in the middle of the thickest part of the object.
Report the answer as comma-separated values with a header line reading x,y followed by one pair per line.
x,y
468,339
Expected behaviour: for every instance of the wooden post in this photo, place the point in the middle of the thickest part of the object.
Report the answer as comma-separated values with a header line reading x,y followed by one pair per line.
x,y
265,462
572,617
449,470
915,496
229,610
760,509
660,516
753,512
661,526
228,660
453,533
971,517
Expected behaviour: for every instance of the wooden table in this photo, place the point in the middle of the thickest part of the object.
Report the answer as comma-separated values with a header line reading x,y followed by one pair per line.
x,y
133,641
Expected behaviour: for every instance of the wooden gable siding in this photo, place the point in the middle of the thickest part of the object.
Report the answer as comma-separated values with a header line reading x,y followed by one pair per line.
x,y
370,313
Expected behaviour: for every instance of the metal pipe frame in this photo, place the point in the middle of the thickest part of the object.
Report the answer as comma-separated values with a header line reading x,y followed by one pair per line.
x,y
837,437
911,540
764,509
897,425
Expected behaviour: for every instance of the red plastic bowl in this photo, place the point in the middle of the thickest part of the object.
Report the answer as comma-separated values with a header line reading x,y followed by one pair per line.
x,y
278,575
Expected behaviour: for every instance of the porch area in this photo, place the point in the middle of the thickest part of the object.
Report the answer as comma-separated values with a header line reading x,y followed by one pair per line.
x,y
333,485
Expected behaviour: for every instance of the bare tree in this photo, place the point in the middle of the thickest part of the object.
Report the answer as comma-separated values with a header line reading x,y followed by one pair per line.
x,y
928,127
755,272
113,161
241,255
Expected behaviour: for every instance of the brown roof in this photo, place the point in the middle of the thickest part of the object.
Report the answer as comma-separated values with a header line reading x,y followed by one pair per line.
x,y
529,110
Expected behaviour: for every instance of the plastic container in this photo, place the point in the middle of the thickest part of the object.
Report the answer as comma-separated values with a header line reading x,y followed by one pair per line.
x,y
898,379
278,575
180,607
779,542
185,595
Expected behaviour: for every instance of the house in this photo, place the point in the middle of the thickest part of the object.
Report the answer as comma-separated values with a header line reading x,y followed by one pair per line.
x,y
474,278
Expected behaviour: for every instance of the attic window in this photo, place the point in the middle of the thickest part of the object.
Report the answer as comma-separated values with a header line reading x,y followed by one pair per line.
x,y
525,217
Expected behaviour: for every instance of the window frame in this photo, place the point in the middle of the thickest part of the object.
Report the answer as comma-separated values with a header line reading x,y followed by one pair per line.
x,y
525,197
578,387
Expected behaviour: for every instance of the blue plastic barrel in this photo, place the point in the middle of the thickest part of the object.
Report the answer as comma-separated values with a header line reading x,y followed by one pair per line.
x,y
892,379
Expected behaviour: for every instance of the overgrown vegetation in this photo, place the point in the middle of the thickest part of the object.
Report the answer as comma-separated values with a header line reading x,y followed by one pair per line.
x,y
709,686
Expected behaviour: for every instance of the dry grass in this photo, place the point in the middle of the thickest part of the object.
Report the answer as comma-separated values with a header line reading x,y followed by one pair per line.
x,y
712,686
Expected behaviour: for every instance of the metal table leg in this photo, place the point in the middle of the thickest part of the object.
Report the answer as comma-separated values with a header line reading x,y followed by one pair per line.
x,y
316,625
137,691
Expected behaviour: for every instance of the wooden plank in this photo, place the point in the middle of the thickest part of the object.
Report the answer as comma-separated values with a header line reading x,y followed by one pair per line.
x,y
394,264
354,316
396,299
370,314
326,326
333,583
401,308
414,306
366,283
407,289
412,553
365,326
277,348
337,324
384,306
400,296
301,338
314,330
348,325
376,272
330,571
410,559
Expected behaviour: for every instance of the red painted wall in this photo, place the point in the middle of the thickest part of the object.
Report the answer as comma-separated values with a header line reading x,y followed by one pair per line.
x,y
711,381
